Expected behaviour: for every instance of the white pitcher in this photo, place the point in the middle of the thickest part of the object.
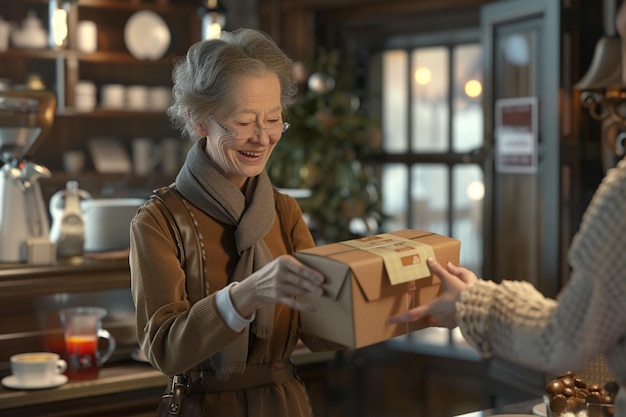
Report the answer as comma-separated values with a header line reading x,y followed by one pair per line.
x,y
31,34
68,222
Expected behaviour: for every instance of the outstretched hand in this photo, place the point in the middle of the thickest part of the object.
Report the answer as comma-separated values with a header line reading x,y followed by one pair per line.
x,y
284,280
440,312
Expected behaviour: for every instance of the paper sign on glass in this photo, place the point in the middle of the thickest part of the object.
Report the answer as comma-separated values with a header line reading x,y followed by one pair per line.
x,y
516,135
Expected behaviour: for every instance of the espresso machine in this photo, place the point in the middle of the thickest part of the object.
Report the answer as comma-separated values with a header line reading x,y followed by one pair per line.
x,y
25,119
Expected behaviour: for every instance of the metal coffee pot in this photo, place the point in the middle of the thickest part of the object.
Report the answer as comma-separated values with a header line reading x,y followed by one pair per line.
x,y
25,118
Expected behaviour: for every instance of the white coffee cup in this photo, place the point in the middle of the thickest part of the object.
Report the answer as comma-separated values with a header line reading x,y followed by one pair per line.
x,y
146,155
170,148
85,96
87,36
113,96
73,161
159,98
137,97
37,368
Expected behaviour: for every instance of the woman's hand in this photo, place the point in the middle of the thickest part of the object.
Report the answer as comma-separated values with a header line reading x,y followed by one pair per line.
x,y
282,281
440,312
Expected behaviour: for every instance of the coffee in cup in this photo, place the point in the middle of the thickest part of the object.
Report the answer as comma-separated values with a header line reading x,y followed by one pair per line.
x,y
37,368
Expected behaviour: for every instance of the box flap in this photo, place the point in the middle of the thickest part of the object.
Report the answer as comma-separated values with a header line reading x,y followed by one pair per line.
x,y
369,280
336,273
374,288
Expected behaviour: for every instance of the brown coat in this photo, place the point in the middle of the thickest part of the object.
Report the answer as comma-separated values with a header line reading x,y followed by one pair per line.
x,y
175,337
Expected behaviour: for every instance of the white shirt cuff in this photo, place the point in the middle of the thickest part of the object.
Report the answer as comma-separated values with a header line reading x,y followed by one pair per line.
x,y
227,309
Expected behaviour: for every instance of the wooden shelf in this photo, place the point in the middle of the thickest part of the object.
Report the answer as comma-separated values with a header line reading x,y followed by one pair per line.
x,y
67,276
111,380
111,113
119,390
109,57
19,53
169,6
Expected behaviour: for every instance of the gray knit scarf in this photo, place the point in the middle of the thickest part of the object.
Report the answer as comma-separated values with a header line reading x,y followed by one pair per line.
x,y
252,212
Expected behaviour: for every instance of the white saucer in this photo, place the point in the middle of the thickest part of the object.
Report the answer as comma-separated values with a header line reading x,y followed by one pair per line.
x,y
540,410
12,382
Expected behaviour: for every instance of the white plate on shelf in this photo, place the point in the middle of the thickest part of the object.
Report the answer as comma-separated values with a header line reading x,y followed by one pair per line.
x,y
540,410
147,35
512,415
12,382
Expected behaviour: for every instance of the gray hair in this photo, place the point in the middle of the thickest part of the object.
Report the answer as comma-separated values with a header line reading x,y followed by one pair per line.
x,y
203,79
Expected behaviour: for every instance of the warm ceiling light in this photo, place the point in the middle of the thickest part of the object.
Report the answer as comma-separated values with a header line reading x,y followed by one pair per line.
x,y
476,190
473,88
59,27
423,76
213,16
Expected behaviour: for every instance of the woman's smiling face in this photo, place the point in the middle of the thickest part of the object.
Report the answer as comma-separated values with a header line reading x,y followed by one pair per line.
x,y
240,142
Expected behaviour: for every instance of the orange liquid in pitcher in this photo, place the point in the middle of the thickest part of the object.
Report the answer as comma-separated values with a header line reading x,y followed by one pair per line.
x,y
81,345
82,361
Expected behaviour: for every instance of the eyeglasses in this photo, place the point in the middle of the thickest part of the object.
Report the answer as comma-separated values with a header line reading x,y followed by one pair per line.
x,y
274,132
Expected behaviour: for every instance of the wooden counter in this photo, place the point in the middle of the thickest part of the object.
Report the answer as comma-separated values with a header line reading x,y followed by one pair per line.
x,y
30,297
521,408
126,388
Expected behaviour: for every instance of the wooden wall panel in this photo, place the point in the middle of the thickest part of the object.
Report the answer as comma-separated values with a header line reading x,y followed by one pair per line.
x,y
301,26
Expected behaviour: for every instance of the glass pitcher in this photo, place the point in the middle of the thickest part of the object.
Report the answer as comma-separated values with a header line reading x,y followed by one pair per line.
x,y
82,330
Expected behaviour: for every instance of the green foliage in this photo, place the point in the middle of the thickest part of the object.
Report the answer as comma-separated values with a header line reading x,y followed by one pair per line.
x,y
329,150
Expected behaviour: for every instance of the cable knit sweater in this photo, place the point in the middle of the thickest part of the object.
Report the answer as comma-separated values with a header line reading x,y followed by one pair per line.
x,y
514,321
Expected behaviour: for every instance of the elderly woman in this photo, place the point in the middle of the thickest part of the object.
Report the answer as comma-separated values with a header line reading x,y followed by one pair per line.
x,y
230,94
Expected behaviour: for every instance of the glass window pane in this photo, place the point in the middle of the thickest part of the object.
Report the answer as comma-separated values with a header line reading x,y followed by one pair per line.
x,y
467,110
468,193
430,112
395,67
429,198
516,60
395,180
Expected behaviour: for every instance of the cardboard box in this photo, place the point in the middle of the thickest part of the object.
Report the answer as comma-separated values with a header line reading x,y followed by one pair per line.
x,y
369,279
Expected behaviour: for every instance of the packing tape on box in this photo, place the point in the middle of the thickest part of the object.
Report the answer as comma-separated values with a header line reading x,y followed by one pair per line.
x,y
410,299
404,259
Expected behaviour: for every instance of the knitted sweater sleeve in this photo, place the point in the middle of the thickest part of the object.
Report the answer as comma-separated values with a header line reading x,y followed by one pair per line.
x,y
514,321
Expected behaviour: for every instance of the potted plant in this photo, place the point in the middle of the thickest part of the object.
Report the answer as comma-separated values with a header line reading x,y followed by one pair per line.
x,y
329,150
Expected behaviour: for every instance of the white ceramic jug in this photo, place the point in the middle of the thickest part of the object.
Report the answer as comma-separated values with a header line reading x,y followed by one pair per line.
x,y
68,222
31,34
